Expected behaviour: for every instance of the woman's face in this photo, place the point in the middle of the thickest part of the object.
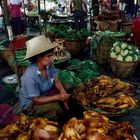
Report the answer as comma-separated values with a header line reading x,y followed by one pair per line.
x,y
46,59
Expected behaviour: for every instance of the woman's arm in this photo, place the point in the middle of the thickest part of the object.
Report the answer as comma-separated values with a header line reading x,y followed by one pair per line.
x,y
44,99
48,99
59,85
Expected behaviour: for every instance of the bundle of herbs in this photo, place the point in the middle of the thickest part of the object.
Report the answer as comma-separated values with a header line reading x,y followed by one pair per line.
x,y
78,72
64,31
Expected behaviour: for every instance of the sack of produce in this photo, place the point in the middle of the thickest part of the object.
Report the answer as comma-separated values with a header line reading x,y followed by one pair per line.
x,y
108,21
124,58
105,41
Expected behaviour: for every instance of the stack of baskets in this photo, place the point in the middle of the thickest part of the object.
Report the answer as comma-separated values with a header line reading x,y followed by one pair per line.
x,y
102,51
105,43
75,47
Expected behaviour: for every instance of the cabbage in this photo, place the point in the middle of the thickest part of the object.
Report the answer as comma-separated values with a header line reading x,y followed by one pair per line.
x,y
125,52
116,44
129,59
135,58
113,49
130,52
137,50
117,49
113,55
130,47
120,58
124,45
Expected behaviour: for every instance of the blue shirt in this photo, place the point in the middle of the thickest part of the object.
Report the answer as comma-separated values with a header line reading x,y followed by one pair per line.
x,y
33,84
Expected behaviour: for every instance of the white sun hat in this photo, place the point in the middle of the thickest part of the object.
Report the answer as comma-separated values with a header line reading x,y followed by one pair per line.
x,y
38,45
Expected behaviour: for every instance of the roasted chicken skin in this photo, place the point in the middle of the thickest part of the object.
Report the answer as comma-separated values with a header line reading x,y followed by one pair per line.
x,y
95,126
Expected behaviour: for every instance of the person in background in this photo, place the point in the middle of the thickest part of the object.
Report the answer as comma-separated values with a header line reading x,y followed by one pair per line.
x,y
1,19
95,5
63,4
105,5
15,11
59,9
42,94
114,5
130,8
32,6
79,10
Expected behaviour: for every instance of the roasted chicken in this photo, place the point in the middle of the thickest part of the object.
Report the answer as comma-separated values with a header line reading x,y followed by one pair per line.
x,y
10,131
23,136
107,94
30,129
94,126
73,130
44,129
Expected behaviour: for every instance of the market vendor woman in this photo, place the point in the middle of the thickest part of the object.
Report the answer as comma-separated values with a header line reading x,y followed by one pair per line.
x,y
36,95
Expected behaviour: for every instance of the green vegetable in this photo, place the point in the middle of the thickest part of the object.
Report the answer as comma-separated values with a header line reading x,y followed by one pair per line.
x,y
113,55
124,45
129,59
117,49
78,72
85,70
67,33
120,58
20,55
123,51
69,79
115,44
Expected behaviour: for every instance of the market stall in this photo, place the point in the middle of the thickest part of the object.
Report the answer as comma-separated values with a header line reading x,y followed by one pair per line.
x,y
100,71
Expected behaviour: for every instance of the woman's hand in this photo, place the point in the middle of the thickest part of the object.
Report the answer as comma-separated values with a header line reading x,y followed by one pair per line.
x,y
66,105
63,97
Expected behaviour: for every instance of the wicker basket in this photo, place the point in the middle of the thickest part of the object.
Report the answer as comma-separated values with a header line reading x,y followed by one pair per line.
x,y
7,54
107,25
102,51
126,27
51,36
75,47
123,69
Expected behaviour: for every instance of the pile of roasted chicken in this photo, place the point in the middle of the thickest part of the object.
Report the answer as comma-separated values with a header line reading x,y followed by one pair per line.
x,y
30,129
94,126
106,94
